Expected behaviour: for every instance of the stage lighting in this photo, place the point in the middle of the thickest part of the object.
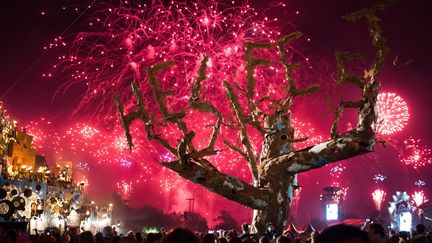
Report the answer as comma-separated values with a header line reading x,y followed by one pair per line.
x,y
405,221
332,211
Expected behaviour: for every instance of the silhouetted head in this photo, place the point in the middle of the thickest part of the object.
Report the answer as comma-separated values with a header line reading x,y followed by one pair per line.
x,y
283,239
180,235
343,234
86,237
421,229
245,228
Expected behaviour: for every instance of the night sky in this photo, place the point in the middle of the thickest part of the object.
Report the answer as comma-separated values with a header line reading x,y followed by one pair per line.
x,y
28,26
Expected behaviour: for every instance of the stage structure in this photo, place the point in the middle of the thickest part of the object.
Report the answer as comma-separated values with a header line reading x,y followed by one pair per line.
x,y
402,212
32,194
331,203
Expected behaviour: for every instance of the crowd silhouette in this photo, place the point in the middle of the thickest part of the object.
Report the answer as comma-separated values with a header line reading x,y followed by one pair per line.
x,y
341,233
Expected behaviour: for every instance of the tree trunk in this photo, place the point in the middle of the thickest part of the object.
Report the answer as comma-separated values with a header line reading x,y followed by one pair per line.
x,y
278,141
275,214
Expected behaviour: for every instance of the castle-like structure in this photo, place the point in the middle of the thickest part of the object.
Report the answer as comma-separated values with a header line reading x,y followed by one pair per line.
x,y
34,195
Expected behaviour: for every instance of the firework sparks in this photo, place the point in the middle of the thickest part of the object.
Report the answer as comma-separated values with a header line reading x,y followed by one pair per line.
x,y
337,170
125,162
378,197
379,178
83,166
414,154
133,36
341,195
420,183
392,113
125,189
419,198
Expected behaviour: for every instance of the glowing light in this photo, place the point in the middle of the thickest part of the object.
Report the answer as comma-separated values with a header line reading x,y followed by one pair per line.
x,y
405,221
392,113
332,211
378,197
420,183
125,189
83,166
419,198
414,154
337,170
124,162
379,178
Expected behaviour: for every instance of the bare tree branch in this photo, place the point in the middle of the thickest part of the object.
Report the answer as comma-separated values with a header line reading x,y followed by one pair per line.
x,y
139,113
289,68
196,103
227,186
252,63
234,148
361,139
238,110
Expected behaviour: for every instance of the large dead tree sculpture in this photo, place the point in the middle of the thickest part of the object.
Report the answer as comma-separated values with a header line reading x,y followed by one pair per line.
x,y
274,171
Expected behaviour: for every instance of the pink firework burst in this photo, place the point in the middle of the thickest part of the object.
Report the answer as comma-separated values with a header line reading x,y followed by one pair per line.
x,y
336,171
415,154
122,41
392,113
419,198
378,197
379,178
419,183
125,189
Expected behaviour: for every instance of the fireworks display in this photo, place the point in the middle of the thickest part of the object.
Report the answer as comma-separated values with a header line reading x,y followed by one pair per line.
x,y
119,42
420,183
392,113
379,178
337,170
415,154
378,197
125,189
419,198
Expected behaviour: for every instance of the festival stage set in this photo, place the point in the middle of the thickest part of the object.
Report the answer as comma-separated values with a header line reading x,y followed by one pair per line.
x,y
217,105
36,197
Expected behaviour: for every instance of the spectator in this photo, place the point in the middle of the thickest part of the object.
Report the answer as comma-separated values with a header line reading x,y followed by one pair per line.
x,y
376,233
151,238
235,239
314,236
99,238
180,235
222,240
139,237
283,239
303,238
131,235
290,235
107,233
420,235
127,240
86,237
208,238
343,234
246,231
264,239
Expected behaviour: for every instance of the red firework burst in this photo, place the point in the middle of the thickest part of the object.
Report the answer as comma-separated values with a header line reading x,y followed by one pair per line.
x,y
392,113
378,197
415,154
125,189
122,41
419,198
